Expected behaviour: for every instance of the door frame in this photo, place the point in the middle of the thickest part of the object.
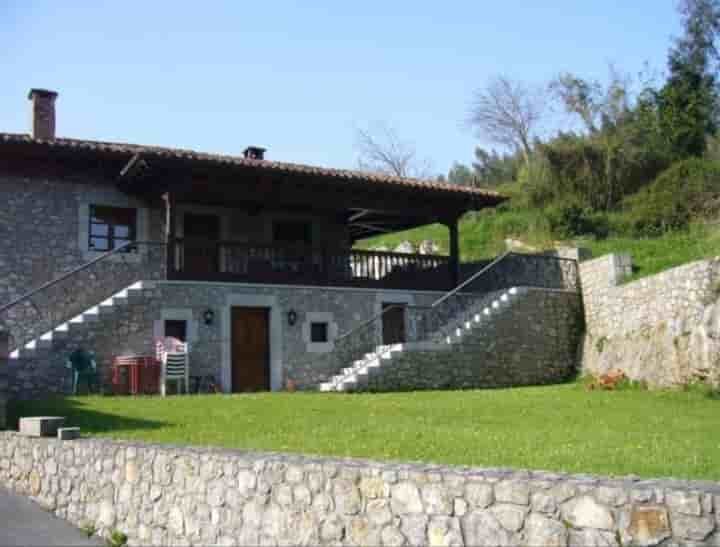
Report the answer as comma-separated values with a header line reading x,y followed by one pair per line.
x,y
383,297
266,315
276,337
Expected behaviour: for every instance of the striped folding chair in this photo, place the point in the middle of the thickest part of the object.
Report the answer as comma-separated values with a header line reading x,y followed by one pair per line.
x,y
175,368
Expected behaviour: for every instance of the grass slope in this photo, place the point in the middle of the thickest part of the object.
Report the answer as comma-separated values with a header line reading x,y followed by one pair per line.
x,y
560,428
483,235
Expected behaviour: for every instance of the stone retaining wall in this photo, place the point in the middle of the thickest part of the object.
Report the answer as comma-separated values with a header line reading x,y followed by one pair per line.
x,y
663,329
164,495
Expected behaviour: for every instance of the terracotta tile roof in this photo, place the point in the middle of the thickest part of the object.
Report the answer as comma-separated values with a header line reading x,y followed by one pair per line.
x,y
149,152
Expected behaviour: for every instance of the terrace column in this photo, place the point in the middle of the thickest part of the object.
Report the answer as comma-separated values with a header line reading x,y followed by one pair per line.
x,y
169,236
454,251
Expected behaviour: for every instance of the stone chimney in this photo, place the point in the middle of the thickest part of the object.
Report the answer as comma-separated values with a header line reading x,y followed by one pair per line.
x,y
43,113
254,153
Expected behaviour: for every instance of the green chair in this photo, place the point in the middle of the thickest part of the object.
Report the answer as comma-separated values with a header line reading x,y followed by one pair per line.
x,y
82,366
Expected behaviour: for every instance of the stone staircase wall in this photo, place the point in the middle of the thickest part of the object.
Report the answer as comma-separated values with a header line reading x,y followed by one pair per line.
x,y
123,325
531,341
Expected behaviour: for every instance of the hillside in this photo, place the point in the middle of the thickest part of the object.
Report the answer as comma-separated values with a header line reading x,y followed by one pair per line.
x,y
483,235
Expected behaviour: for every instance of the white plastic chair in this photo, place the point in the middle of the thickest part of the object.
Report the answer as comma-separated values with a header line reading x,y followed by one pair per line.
x,y
175,368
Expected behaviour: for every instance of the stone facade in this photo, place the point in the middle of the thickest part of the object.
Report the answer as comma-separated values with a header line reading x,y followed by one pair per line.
x,y
164,495
44,230
663,329
532,341
42,218
132,326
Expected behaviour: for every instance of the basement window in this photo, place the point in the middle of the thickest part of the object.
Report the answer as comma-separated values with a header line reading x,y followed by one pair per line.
x,y
175,328
318,333
111,227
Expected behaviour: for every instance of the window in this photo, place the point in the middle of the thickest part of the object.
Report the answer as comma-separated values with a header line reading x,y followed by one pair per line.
x,y
318,333
292,231
111,227
175,328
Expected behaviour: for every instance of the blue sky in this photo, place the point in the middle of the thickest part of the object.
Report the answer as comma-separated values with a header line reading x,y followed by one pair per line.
x,y
299,77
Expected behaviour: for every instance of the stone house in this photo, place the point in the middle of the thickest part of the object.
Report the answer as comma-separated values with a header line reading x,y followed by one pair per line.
x,y
250,260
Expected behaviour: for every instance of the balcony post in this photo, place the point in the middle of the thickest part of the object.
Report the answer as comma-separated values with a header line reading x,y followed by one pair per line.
x,y
169,236
454,263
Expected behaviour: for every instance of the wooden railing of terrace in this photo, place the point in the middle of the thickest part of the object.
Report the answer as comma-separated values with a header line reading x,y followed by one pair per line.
x,y
204,260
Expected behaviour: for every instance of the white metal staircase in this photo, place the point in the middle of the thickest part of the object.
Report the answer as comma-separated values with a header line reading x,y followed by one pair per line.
x,y
453,332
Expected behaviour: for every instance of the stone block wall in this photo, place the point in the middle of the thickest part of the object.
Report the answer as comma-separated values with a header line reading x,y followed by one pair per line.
x,y
43,237
164,495
533,341
132,327
663,329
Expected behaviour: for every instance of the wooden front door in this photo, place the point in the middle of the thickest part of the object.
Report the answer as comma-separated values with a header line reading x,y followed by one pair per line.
x,y
393,323
201,234
250,349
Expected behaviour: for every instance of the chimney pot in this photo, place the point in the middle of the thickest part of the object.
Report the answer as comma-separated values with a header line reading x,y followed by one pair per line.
x,y
43,113
254,153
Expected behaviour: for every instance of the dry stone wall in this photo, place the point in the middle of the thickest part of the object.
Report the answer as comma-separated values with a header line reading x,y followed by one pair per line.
x,y
663,329
164,495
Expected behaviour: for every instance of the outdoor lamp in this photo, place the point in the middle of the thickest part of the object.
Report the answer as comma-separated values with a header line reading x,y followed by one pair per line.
x,y
208,316
292,317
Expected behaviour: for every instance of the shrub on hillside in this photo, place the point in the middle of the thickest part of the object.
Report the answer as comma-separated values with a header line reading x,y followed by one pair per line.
x,y
571,220
690,189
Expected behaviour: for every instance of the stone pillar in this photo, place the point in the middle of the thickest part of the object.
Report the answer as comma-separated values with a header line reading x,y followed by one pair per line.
x,y
4,354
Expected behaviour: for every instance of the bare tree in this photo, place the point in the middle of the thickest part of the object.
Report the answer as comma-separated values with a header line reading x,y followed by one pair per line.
x,y
508,112
381,150
596,105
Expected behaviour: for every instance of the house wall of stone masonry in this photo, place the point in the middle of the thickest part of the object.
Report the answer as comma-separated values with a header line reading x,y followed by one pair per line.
x,y
133,326
533,341
663,329
43,234
162,495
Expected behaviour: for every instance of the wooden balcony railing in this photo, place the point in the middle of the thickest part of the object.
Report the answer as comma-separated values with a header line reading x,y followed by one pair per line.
x,y
202,260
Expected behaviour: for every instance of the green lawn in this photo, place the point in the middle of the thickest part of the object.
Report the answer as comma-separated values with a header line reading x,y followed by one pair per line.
x,y
561,428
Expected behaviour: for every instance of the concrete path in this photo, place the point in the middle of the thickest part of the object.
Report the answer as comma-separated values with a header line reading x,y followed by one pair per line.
x,y
23,522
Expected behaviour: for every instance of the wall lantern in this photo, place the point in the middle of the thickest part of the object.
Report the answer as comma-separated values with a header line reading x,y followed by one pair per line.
x,y
208,317
292,317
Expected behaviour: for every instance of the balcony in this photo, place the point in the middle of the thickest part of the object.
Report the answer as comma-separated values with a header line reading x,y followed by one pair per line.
x,y
230,261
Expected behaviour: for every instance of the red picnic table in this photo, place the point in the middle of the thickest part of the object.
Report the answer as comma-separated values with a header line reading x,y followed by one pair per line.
x,y
143,374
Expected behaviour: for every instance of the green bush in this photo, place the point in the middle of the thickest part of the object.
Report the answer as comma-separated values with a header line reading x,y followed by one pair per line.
x,y
571,220
688,190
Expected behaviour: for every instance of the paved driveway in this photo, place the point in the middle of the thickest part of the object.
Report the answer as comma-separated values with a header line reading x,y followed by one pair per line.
x,y
23,522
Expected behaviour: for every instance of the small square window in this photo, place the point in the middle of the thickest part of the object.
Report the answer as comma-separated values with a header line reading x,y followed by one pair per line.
x,y
318,333
175,328
111,227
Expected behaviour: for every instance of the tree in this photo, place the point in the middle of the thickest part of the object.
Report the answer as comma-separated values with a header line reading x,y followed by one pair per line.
x,y
688,103
461,175
381,150
596,105
508,113
492,168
